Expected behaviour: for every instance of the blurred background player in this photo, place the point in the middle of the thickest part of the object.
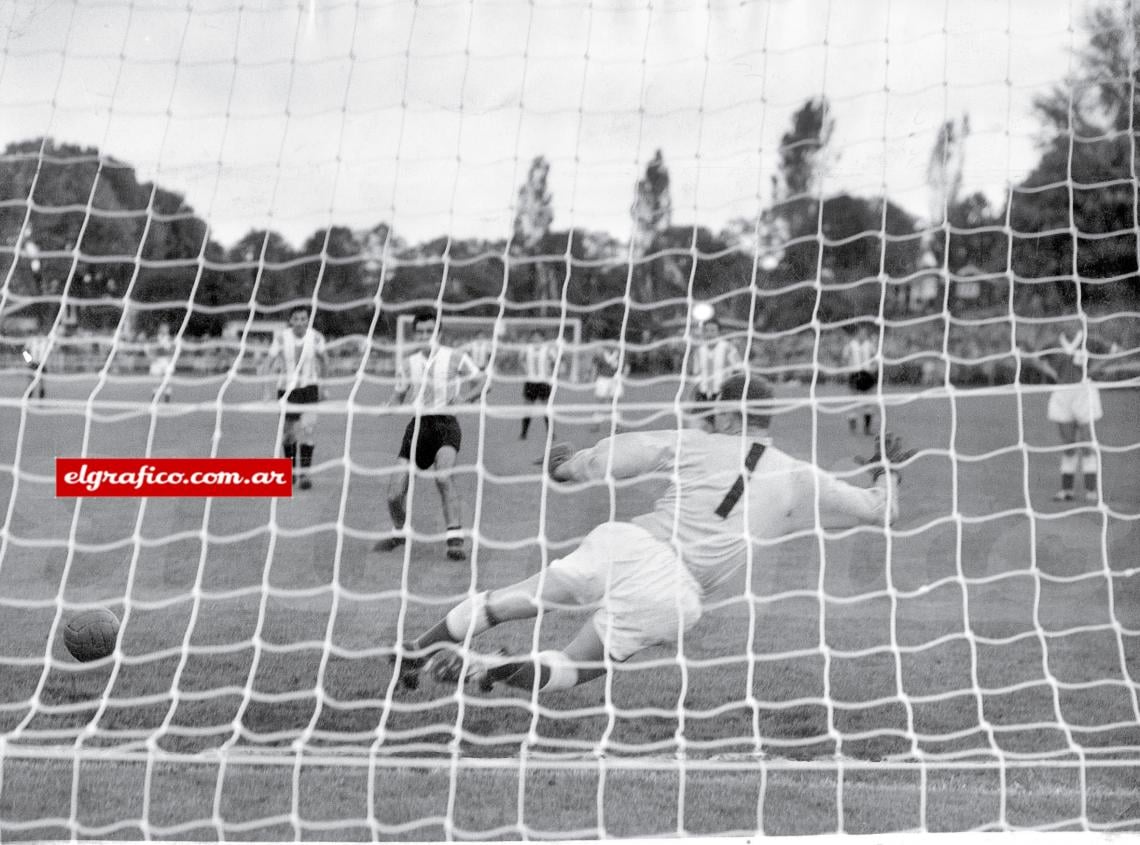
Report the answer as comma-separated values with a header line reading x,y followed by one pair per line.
x,y
433,377
161,354
608,371
540,368
860,361
35,354
1074,405
649,576
714,360
297,354
479,348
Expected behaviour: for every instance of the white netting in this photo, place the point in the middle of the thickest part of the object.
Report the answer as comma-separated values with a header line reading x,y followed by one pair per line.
x,y
957,178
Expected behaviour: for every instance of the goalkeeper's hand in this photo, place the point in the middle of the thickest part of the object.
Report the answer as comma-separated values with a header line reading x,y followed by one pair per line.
x,y
559,454
889,451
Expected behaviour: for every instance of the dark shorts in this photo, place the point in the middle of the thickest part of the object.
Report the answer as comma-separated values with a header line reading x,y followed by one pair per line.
x,y
435,432
862,381
308,395
536,391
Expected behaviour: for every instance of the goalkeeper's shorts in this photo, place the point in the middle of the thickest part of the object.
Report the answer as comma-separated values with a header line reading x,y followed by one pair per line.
x,y
1075,403
644,593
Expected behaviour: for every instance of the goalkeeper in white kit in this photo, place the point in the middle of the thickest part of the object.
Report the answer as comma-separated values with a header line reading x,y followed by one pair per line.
x,y
648,577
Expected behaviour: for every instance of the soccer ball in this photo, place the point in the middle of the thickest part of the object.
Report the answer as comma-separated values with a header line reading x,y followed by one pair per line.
x,y
91,635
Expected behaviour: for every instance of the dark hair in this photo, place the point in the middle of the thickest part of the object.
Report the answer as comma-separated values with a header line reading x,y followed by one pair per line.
x,y
755,392
304,309
422,317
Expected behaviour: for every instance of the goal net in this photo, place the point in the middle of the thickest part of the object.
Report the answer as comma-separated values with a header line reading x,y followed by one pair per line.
x,y
919,219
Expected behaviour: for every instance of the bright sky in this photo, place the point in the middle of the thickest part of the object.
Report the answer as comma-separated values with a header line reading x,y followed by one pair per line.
x,y
427,115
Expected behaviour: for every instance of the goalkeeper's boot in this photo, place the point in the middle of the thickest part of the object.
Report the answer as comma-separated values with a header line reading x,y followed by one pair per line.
x,y
455,549
1063,496
408,667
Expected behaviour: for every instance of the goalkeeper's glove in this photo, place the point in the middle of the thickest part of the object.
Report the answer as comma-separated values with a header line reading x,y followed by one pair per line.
x,y
888,452
559,454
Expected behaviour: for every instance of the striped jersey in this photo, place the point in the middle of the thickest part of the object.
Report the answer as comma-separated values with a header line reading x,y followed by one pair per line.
x,y
479,349
726,491
713,364
859,354
301,357
606,361
434,377
540,361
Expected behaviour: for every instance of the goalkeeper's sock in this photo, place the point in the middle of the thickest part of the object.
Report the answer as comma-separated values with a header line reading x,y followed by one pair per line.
x,y
471,614
555,671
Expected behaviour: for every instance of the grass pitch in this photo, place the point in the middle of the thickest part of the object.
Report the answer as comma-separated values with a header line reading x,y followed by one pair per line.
x,y
993,634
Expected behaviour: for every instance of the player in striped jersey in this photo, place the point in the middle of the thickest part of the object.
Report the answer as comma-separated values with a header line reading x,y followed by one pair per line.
x,y
540,366
298,355
649,576
714,360
432,378
480,349
35,355
609,367
860,360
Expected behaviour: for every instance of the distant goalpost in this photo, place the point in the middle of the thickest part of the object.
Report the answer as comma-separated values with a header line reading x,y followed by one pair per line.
x,y
508,336
973,668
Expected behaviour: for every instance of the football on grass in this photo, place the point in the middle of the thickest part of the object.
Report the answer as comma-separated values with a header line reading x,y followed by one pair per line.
x,y
91,634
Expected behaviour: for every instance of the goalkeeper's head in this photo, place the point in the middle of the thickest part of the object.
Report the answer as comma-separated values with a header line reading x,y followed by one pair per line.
x,y
747,397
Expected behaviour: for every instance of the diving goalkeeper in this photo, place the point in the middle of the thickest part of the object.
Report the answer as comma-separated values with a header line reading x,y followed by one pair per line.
x,y
649,576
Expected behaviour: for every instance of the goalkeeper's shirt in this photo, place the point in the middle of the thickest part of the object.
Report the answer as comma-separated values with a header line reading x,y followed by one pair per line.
x,y
725,490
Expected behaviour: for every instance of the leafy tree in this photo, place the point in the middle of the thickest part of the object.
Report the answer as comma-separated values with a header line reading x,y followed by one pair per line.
x,y
652,213
1085,178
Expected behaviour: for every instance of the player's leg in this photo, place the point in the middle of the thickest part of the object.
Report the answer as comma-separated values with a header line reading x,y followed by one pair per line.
x,y
482,612
580,661
528,400
1070,460
853,413
306,428
545,396
397,500
449,500
289,441
1087,456
36,380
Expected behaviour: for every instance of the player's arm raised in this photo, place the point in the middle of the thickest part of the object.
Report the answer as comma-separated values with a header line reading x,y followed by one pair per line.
x,y
473,380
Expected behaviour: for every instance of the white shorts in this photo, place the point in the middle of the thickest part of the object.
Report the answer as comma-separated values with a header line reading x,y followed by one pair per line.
x,y
607,387
644,593
161,367
1075,403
